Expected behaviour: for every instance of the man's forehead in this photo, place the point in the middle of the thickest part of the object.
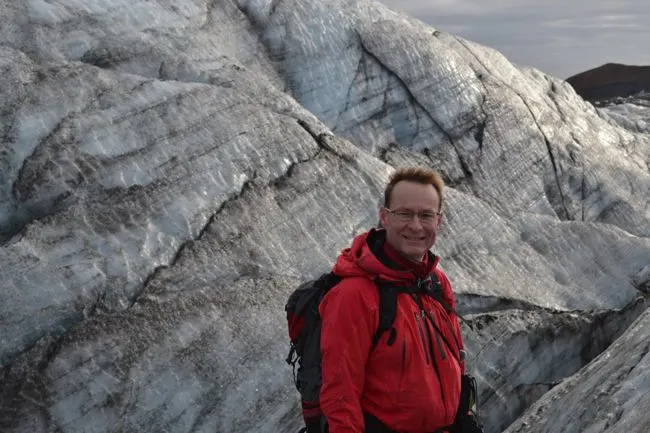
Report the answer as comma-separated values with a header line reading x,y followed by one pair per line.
x,y
410,193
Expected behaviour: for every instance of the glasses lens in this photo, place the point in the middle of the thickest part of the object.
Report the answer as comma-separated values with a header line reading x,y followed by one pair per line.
x,y
405,215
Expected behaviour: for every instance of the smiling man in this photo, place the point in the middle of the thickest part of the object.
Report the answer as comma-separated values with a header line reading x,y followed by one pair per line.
x,y
409,380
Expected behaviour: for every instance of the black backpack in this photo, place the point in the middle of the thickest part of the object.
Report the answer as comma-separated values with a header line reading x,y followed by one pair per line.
x,y
304,333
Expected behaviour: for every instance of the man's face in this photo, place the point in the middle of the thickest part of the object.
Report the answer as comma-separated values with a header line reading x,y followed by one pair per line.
x,y
412,237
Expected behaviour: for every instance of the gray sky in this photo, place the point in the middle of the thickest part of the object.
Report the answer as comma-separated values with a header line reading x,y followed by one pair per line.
x,y
559,37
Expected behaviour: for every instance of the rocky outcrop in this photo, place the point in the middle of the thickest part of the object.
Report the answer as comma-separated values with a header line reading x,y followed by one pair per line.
x,y
169,171
610,81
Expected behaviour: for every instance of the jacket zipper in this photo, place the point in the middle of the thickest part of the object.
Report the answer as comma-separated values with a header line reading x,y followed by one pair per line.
x,y
430,352
428,332
433,358
430,317
425,346
441,349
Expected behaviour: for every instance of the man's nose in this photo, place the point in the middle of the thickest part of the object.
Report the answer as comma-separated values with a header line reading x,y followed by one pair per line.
x,y
415,222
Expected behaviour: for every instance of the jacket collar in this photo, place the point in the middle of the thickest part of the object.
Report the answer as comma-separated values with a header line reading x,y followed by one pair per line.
x,y
372,256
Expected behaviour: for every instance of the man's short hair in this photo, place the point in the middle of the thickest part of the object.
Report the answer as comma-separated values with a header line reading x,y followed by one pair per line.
x,y
423,175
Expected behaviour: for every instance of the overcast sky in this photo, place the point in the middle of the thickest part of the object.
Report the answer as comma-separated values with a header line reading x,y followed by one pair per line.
x,y
559,37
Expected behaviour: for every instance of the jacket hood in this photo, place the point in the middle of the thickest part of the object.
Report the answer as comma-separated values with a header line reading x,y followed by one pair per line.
x,y
366,257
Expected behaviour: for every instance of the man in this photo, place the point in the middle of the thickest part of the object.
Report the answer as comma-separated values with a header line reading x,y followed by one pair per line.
x,y
412,385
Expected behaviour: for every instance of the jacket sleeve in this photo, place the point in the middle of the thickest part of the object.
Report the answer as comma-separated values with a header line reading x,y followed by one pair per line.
x,y
348,320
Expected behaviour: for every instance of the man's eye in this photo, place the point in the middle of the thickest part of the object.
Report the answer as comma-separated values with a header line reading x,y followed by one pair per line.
x,y
427,215
404,214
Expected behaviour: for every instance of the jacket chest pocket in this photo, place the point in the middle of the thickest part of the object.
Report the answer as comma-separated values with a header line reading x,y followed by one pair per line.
x,y
441,328
434,330
423,334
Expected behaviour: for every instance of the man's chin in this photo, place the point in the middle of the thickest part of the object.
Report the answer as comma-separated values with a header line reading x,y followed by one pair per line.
x,y
414,254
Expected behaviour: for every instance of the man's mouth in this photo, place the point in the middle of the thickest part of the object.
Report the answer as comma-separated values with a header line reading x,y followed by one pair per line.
x,y
414,238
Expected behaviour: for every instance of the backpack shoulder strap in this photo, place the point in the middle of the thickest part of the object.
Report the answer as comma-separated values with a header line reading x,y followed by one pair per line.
x,y
388,304
435,291
310,293
387,312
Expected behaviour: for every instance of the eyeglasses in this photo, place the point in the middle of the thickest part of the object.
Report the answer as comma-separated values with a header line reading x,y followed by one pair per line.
x,y
406,215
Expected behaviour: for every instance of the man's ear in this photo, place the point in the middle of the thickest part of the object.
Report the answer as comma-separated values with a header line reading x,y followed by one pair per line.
x,y
383,217
440,218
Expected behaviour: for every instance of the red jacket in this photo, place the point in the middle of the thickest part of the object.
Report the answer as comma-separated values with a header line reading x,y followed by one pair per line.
x,y
398,384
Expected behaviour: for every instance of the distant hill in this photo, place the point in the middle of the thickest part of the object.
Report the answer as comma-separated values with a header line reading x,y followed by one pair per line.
x,y
611,80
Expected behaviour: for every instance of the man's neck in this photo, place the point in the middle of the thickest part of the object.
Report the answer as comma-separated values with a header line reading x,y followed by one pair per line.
x,y
420,267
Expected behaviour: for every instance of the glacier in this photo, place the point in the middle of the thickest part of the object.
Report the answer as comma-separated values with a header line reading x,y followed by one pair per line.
x,y
170,171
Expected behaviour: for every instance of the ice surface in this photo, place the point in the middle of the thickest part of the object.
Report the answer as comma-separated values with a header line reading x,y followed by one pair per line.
x,y
169,171
610,394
